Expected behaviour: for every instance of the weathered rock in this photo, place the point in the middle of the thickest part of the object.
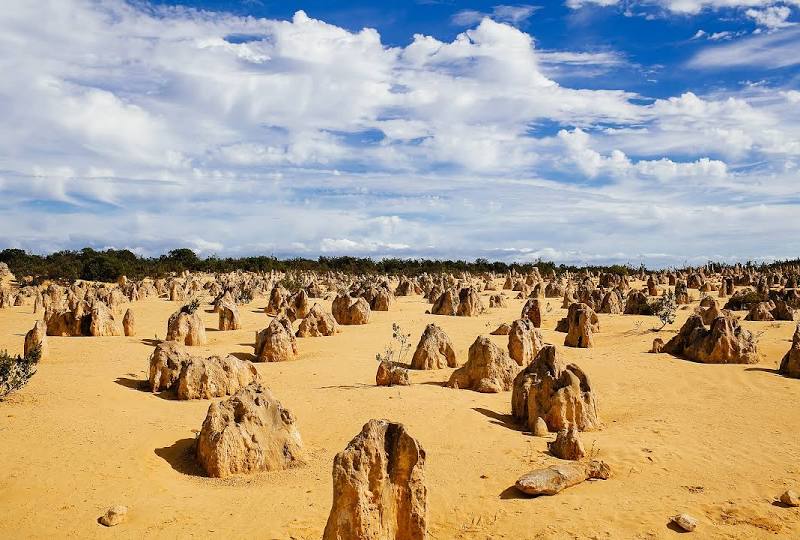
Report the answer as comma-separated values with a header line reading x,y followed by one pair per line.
x,y
761,312
488,369
540,428
276,343
350,311
37,337
532,310
446,304
502,330
434,350
389,374
638,304
498,301
561,395
524,341
790,364
685,522
215,376
469,303
186,328
229,315
556,478
725,343
611,303
166,364
790,498
583,323
102,322
317,323
129,323
567,445
114,516
658,345
249,432
379,487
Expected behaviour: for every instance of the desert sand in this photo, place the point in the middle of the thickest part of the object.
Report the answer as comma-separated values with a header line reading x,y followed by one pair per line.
x,y
717,441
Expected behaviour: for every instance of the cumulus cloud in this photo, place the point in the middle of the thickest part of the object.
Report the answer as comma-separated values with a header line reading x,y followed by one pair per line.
x,y
154,127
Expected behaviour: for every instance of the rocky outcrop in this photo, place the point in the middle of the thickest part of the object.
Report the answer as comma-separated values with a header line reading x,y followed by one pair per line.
x,y
37,337
185,326
215,376
276,343
488,369
524,341
582,324
434,350
469,303
532,310
229,315
317,323
560,394
567,445
390,374
166,364
379,487
790,364
726,342
249,432
129,323
350,311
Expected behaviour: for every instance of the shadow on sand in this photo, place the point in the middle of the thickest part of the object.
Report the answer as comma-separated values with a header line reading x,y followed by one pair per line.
x,y
505,420
181,457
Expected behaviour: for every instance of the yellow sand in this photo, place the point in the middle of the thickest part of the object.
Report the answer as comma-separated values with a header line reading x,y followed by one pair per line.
x,y
719,442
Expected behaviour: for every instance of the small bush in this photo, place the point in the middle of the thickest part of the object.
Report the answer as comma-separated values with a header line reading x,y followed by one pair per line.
x,y
665,309
16,371
397,350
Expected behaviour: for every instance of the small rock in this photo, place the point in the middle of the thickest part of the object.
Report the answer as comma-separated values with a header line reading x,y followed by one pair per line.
x,y
685,522
540,428
114,516
790,498
658,345
567,445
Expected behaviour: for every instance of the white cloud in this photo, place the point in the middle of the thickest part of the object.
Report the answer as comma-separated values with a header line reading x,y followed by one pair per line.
x,y
512,14
773,17
773,50
149,129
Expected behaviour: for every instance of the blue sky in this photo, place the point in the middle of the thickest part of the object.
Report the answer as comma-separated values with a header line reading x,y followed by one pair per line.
x,y
582,131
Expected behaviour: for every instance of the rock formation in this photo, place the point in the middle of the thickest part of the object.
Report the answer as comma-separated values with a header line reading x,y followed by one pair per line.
x,y
434,350
488,369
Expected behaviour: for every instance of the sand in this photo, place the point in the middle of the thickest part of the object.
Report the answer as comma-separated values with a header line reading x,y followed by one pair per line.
x,y
718,442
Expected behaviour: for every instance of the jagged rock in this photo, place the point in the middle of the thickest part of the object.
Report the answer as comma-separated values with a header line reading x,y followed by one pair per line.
x,y
389,374
446,304
215,376
583,323
638,304
276,343
469,303
299,303
317,323
434,350
166,364
129,323
502,330
489,369
611,303
229,315
277,300
567,445
782,311
186,328
790,364
379,487
37,337
350,311
102,322
561,395
681,293
532,310
761,312
249,432
709,310
524,341
556,478
725,343
498,301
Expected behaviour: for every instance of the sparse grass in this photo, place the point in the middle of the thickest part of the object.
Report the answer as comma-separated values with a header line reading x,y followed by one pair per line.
x,y
397,350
